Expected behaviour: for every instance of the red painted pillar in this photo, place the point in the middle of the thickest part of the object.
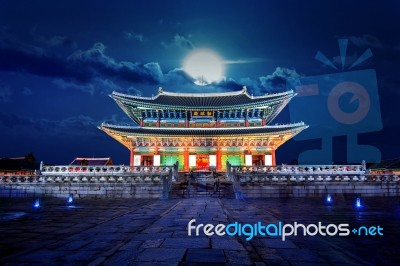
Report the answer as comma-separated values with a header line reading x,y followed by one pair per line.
x,y
273,157
132,157
186,159
219,155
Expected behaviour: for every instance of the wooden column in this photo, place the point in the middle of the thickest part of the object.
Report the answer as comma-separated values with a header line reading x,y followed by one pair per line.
x,y
186,159
132,157
273,157
263,122
219,155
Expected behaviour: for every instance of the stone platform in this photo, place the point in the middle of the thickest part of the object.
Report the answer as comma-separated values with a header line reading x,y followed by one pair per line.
x,y
154,232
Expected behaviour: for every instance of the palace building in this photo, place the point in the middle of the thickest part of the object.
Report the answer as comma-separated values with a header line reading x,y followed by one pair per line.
x,y
202,130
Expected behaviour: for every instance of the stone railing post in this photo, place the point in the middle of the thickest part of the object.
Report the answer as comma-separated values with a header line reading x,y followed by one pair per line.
x,y
167,181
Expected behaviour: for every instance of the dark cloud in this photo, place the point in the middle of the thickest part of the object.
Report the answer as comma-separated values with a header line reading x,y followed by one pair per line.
x,y
178,76
96,62
26,91
228,85
179,41
96,85
63,41
81,67
277,80
74,126
53,41
5,93
134,36
92,71
20,57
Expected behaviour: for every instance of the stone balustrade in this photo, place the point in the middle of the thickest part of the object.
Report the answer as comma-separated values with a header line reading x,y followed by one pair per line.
x,y
255,178
299,169
101,170
82,178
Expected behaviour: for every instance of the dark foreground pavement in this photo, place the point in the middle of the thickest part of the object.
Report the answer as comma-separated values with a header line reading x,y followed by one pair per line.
x,y
154,232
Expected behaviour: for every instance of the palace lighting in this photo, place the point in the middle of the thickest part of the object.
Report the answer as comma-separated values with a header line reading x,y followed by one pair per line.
x,y
203,130
329,199
358,203
36,204
70,200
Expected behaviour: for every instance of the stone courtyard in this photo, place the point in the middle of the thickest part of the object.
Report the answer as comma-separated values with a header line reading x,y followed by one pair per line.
x,y
154,232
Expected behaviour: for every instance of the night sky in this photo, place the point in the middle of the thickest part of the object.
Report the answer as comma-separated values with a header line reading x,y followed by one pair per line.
x,y
59,61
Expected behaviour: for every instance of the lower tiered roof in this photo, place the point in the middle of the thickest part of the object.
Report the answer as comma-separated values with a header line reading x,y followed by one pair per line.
x,y
138,131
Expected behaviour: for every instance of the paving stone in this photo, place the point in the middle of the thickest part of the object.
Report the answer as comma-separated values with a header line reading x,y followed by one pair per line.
x,y
227,244
302,255
152,236
205,255
122,258
158,263
278,243
42,256
122,231
161,254
189,242
238,257
152,243
82,256
131,245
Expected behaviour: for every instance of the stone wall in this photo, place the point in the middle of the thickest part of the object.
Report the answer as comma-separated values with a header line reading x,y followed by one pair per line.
x,y
81,189
319,189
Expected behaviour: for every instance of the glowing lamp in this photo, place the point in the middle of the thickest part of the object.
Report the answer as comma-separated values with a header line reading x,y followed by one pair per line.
x,y
328,199
358,203
70,200
36,204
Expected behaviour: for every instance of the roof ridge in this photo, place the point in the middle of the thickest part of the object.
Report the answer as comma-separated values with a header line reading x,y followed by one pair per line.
x,y
203,94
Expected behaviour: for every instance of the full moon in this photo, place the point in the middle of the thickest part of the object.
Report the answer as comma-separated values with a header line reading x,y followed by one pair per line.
x,y
205,66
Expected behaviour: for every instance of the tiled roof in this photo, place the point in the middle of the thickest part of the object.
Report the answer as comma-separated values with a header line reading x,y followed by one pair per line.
x,y
91,161
202,100
237,131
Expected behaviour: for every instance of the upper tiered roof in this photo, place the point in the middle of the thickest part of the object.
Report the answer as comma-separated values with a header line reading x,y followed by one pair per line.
x,y
202,101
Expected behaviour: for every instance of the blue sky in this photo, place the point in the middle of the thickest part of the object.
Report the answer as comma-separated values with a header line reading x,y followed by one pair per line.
x,y
60,60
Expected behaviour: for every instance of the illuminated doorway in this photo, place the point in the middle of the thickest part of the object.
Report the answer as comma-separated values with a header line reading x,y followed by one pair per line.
x,y
202,162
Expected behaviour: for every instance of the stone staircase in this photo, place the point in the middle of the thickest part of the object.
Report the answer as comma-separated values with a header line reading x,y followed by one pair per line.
x,y
201,188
